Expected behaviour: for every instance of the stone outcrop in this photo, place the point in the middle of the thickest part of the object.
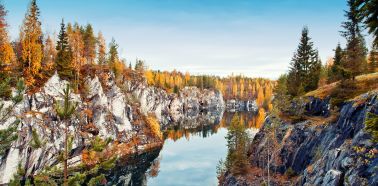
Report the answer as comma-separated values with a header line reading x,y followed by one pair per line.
x,y
324,151
171,108
234,105
104,109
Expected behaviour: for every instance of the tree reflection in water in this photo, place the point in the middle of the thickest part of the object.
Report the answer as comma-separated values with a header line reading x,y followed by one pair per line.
x,y
136,169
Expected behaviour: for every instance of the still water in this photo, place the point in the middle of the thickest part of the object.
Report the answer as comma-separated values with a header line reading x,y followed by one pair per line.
x,y
189,155
191,161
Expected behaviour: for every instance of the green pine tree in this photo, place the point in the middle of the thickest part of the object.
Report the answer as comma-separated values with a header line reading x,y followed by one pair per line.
x,y
237,140
368,9
113,53
373,58
281,100
9,135
65,109
64,56
354,62
336,71
305,67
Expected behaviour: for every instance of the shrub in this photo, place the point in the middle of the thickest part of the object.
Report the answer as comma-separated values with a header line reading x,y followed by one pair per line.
x,y
290,172
371,126
346,90
36,142
154,126
98,180
5,89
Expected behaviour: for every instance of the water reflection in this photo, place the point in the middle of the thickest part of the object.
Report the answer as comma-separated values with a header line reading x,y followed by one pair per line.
x,y
191,151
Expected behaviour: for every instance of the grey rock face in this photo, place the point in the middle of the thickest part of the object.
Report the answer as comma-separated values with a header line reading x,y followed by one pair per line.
x,y
332,178
174,108
234,105
114,110
339,152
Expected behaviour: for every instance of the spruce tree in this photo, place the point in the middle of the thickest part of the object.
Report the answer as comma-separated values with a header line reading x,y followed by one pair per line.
x,y
336,68
373,60
9,134
354,62
113,53
237,141
368,9
65,109
139,65
305,67
64,56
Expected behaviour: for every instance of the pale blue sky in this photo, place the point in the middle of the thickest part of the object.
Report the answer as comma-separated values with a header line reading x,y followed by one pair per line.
x,y
250,37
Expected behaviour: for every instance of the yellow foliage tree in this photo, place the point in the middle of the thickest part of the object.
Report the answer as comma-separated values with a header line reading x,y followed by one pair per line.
x,y
7,56
49,54
241,89
154,126
260,97
150,77
101,49
234,90
76,42
260,118
31,42
187,77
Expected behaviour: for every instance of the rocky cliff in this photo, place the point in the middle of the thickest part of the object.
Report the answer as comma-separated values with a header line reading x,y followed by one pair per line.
x,y
325,149
106,109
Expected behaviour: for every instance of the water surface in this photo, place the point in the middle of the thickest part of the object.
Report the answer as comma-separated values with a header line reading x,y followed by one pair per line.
x,y
191,152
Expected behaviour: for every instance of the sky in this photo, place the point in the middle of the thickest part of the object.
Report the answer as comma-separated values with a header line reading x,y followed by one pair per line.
x,y
255,38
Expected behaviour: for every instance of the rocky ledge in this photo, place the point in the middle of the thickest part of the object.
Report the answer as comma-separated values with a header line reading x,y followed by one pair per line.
x,y
105,108
325,149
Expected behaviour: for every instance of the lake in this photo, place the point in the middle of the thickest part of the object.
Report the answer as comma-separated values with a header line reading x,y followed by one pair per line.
x,y
189,156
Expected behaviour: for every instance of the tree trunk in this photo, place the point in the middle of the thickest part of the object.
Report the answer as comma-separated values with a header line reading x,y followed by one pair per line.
x,y
65,154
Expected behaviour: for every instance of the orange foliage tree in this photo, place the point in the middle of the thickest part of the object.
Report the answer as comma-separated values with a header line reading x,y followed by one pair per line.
x,y
31,43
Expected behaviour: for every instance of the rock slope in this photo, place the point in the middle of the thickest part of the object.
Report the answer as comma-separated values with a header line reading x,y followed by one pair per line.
x,y
325,149
105,109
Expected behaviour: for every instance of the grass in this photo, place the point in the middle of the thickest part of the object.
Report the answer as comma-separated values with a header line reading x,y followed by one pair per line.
x,y
364,83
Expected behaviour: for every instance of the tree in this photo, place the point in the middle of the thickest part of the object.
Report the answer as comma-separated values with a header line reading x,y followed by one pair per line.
x,y
150,77
89,44
336,71
139,65
64,56
31,43
9,134
237,141
76,43
7,56
260,97
305,67
113,53
101,49
281,99
373,60
354,62
64,110
368,9
49,55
